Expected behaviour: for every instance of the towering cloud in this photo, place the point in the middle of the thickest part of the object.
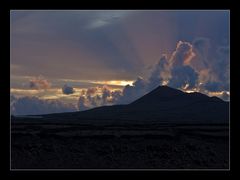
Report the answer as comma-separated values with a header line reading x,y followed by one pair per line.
x,y
201,48
182,55
182,75
67,89
188,67
82,103
222,66
39,83
159,73
212,65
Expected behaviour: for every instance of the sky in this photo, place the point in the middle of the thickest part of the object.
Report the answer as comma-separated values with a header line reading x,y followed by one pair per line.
x,y
75,60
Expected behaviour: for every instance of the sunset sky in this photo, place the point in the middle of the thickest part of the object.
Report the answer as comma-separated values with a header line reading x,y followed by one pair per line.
x,y
74,60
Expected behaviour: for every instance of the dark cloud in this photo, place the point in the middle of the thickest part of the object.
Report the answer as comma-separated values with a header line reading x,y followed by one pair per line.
x,y
183,77
201,44
159,73
222,65
33,106
201,47
67,89
82,103
213,86
93,101
116,95
106,93
140,86
131,93
212,63
97,96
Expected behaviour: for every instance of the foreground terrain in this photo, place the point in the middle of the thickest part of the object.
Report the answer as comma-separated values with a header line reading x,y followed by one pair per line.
x,y
166,128
153,146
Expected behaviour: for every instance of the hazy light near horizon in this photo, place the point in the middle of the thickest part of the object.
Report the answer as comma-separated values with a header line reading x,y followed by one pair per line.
x,y
114,82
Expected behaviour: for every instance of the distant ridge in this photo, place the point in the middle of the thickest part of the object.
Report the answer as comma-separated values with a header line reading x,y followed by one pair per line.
x,y
162,105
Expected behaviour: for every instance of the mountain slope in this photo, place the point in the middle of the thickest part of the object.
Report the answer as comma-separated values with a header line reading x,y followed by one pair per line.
x,y
162,105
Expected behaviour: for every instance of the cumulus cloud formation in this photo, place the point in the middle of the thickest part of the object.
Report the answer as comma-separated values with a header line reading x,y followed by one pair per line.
x,y
212,65
67,89
213,86
174,71
199,66
130,93
223,60
96,96
39,83
82,103
159,73
33,106
106,93
182,75
201,47
90,91
182,55
115,96
180,71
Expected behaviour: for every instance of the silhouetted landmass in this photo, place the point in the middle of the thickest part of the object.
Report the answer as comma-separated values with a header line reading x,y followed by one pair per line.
x,y
166,128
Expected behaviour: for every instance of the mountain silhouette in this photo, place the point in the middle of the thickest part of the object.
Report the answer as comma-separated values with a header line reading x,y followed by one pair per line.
x,y
166,122
162,105
159,94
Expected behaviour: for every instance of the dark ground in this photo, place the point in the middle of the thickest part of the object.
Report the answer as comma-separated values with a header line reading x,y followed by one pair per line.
x,y
53,146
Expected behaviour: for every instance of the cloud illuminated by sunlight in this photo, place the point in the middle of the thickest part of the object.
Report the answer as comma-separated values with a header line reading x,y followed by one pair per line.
x,y
108,82
56,93
114,82
53,93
